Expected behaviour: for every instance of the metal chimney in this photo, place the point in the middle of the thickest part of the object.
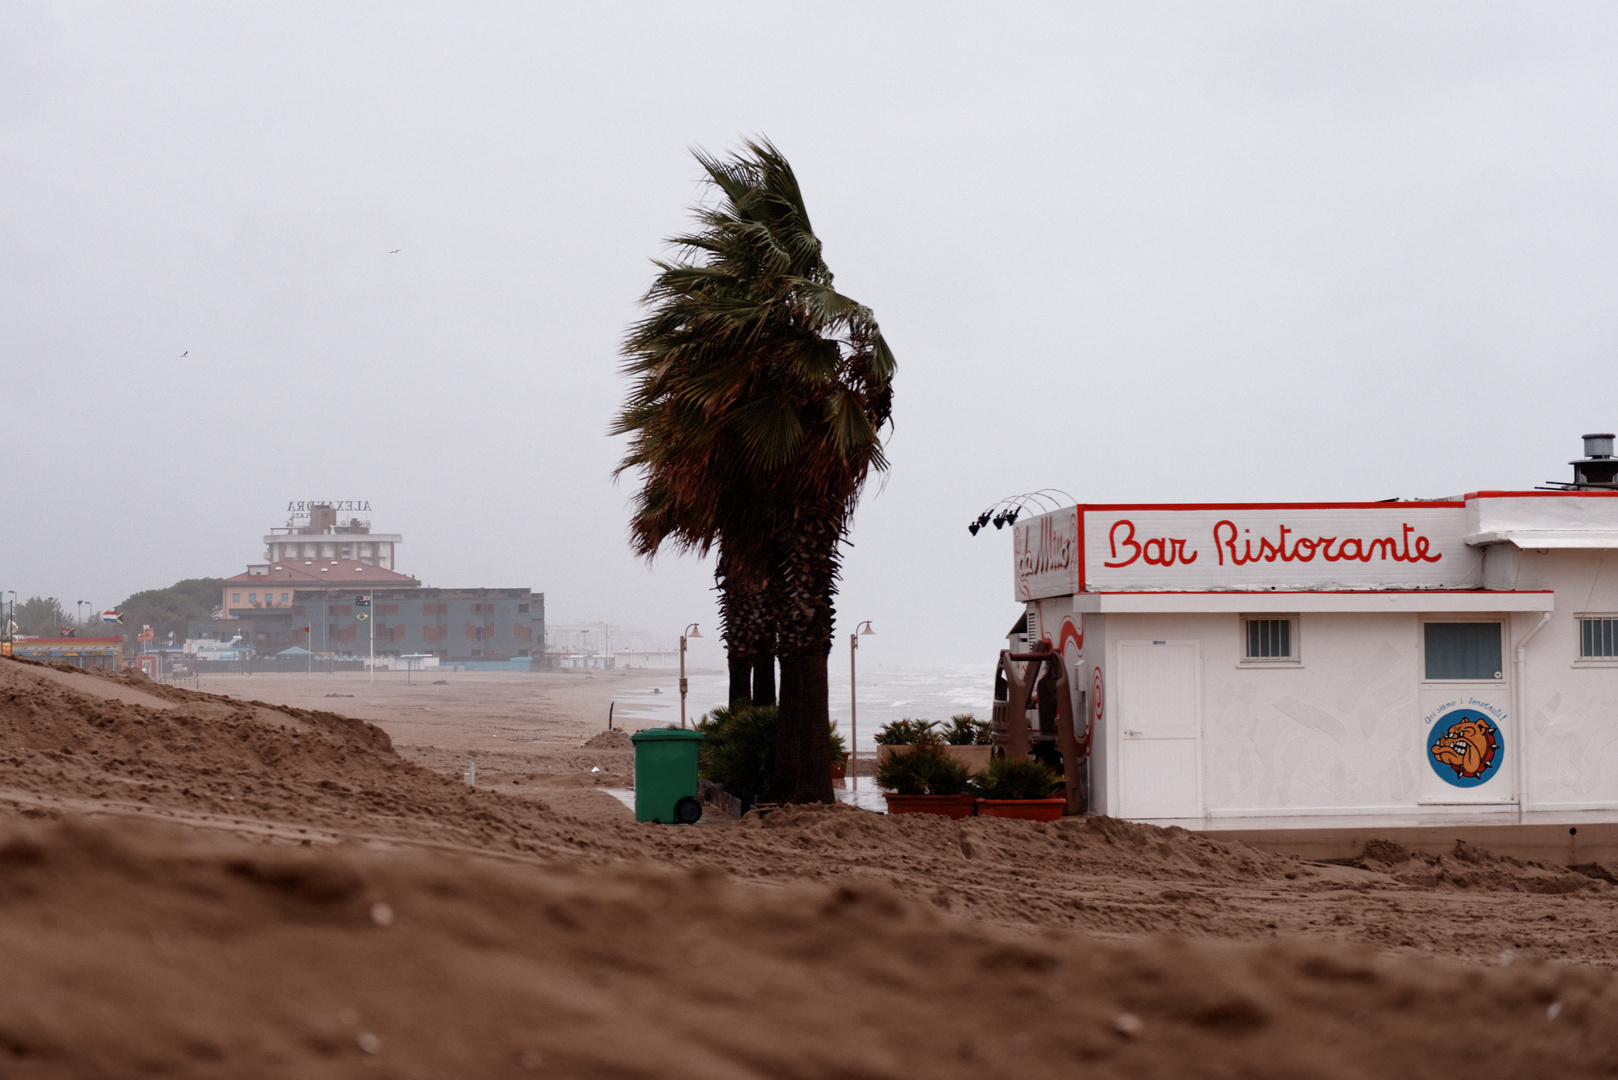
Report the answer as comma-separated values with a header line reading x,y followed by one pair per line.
x,y
1597,468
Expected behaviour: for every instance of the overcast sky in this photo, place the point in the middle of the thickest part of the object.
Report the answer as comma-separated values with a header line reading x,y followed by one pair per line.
x,y
1136,252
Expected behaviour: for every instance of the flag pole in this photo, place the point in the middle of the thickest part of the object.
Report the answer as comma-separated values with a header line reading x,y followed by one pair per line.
x,y
372,621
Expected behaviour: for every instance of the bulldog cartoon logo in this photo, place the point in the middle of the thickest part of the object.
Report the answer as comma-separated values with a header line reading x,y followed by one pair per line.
x,y
1464,748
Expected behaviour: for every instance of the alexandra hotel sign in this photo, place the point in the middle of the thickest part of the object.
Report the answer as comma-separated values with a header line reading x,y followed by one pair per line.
x,y
301,508
1244,547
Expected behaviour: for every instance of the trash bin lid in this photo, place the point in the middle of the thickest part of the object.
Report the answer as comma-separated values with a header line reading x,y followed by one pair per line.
x,y
659,734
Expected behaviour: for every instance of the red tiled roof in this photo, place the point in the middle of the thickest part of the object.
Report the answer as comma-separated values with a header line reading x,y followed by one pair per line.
x,y
314,571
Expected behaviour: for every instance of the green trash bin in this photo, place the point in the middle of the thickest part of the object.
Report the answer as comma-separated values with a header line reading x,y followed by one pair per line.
x,y
666,775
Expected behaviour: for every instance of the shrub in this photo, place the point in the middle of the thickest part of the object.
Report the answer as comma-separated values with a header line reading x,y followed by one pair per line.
x,y
924,769
1016,778
739,751
907,732
839,748
967,730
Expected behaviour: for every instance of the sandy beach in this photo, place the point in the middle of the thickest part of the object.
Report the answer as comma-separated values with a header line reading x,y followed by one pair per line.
x,y
264,880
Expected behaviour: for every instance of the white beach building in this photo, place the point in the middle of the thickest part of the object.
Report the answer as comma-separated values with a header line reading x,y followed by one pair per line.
x,y
1270,663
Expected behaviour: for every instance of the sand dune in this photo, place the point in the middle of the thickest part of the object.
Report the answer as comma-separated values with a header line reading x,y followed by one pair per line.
x,y
189,886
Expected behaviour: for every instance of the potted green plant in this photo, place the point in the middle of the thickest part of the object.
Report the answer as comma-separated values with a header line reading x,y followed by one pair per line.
x,y
923,779
839,754
1019,788
897,734
967,739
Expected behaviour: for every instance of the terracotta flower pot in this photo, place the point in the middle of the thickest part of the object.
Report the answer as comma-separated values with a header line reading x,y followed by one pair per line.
x,y
839,768
1023,809
955,806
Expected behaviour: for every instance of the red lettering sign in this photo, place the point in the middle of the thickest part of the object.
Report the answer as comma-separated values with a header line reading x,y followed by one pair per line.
x,y
1156,551
1304,549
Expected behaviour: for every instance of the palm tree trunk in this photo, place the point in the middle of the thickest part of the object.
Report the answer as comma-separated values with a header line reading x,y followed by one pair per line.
x,y
764,679
747,629
803,743
741,688
801,594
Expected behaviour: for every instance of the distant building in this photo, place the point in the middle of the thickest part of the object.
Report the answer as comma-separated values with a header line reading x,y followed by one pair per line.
x,y
322,536
304,597
78,651
455,625
647,658
273,586
322,554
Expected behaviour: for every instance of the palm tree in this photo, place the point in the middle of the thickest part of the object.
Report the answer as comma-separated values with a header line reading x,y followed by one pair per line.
x,y
758,396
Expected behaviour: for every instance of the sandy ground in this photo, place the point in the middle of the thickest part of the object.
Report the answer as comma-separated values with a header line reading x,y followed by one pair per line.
x,y
522,731
283,883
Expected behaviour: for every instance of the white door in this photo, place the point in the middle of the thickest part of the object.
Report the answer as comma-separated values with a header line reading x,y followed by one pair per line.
x,y
1159,729
1467,738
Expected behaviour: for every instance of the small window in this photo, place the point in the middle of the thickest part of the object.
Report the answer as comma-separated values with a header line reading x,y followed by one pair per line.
x,y
1598,637
1465,651
252,598
522,609
1270,640
235,598
283,598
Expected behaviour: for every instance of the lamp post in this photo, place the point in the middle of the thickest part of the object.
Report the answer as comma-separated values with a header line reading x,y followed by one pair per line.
x,y
853,714
690,631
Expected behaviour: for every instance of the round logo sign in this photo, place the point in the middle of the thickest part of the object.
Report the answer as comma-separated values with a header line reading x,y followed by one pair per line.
x,y
1464,748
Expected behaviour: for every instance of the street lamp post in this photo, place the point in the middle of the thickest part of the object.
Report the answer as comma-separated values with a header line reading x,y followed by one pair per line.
x,y
853,714
690,631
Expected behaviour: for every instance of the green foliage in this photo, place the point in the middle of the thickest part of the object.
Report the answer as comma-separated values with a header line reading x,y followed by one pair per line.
x,y
923,769
167,610
41,616
908,732
739,751
964,729
1016,778
839,748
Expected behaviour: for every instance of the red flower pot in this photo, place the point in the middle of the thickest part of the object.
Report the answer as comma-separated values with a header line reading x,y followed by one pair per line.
x,y
1023,809
955,806
839,768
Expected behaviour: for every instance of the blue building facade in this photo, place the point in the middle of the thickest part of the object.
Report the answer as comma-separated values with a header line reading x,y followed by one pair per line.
x,y
455,625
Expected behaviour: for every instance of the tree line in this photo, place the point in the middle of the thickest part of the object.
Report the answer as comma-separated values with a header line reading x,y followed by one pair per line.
x,y
165,610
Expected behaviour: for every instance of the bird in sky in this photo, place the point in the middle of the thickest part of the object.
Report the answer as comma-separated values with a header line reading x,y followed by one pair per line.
x,y
395,251
185,354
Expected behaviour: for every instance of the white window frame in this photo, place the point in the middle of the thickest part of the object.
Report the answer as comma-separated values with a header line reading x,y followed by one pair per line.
x,y
1580,660
1502,621
1293,661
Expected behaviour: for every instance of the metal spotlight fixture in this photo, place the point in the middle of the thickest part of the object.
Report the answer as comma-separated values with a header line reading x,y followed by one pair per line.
x,y
1006,511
